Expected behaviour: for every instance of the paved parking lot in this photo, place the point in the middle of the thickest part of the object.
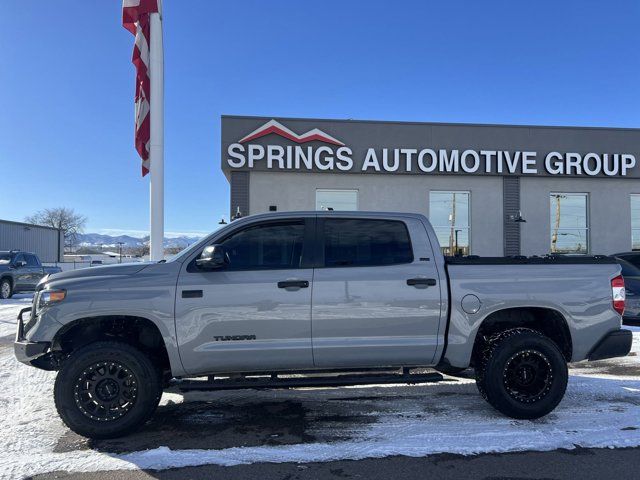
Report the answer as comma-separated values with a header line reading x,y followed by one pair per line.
x,y
368,432
585,464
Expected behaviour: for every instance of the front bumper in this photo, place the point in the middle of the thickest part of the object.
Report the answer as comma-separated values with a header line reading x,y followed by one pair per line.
x,y
613,344
24,350
27,352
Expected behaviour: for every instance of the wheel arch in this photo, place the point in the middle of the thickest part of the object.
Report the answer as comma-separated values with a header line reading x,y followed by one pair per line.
x,y
139,332
548,321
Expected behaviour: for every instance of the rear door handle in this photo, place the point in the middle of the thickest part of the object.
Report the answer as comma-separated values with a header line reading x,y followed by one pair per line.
x,y
191,293
293,284
427,282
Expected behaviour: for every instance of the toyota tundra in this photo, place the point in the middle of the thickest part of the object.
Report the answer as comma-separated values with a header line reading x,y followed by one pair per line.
x,y
316,299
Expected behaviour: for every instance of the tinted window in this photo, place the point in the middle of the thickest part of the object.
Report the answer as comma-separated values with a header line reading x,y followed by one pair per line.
x,y
269,246
19,258
31,260
350,242
628,270
5,258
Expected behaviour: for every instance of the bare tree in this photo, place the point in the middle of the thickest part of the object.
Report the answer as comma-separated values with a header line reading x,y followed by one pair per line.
x,y
173,250
140,250
62,218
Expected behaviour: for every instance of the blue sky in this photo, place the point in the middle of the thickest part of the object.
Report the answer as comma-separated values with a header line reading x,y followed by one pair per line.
x,y
66,85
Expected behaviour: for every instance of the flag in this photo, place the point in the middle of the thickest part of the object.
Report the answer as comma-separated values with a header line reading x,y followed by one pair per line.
x,y
135,18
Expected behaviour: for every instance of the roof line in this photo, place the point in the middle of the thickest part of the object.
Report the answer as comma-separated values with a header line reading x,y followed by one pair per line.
x,y
442,124
28,224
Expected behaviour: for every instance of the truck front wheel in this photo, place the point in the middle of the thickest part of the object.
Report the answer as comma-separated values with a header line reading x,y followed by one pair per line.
x,y
106,390
522,374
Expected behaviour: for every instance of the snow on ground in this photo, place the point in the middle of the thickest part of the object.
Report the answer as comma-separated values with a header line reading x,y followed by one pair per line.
x,y
9,311
601,409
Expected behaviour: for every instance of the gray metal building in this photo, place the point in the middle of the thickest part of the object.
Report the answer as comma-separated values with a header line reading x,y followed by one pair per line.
x,y
46,242
488,189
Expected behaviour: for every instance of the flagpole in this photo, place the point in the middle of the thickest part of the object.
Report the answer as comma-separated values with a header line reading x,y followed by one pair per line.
x,y
156,151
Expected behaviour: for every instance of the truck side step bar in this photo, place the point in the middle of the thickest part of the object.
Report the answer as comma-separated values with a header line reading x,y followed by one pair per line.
x,y
288,381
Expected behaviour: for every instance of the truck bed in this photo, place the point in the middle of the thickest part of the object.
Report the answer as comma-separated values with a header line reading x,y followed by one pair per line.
x,y
576,288
533,260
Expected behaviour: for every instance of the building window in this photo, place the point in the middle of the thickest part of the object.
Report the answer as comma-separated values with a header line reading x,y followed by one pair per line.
x,y
635,222
449,215
336,199
569,223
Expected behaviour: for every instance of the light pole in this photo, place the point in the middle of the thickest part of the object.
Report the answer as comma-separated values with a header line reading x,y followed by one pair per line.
x,y
237,215
120,251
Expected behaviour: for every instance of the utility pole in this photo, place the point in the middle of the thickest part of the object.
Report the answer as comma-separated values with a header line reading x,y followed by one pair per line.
x,y
120,251
554,235
452,219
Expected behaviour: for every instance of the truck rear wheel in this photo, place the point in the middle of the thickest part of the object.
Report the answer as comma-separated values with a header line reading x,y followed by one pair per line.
x,y
6,289
522,374
106,390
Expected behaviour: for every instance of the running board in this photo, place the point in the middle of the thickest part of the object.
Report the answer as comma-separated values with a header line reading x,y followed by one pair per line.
x,y
276,381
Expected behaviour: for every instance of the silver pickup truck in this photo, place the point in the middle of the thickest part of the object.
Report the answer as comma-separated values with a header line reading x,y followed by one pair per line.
x,y
316,299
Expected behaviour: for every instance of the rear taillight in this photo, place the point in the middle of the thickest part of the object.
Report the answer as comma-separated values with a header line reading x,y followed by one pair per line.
x,y
617,292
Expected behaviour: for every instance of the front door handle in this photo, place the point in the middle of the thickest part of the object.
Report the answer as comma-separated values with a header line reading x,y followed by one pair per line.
x,y
426,282
293,284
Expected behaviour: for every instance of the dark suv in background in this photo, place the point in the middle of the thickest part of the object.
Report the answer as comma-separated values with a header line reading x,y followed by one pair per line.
x,y
630,262
21,272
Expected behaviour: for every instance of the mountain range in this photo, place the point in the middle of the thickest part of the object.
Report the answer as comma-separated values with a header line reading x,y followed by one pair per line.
x,y
98,240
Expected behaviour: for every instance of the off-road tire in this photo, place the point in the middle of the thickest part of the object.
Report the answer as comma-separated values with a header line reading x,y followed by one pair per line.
x,y
6,289
501,387
142,376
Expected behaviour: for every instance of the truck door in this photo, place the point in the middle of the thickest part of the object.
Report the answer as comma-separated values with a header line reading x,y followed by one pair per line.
x,y
35,270
377,299
21,273
254,314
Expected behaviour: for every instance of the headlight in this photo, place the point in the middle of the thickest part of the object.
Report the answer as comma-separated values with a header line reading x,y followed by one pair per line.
x,y
49,297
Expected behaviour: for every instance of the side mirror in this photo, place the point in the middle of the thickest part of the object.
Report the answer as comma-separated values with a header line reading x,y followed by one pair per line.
x,y
213,256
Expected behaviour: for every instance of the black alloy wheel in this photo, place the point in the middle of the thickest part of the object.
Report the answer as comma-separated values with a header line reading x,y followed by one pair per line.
x,y
107,389
528,376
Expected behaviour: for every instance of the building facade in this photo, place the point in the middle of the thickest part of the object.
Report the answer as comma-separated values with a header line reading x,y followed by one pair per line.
x,y
488,190
46,242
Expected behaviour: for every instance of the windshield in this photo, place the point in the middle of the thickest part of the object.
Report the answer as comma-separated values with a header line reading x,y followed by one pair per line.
x,y
5,258
628,270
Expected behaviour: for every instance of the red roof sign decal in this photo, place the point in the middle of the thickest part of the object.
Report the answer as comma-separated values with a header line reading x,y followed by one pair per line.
x,y
272,126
